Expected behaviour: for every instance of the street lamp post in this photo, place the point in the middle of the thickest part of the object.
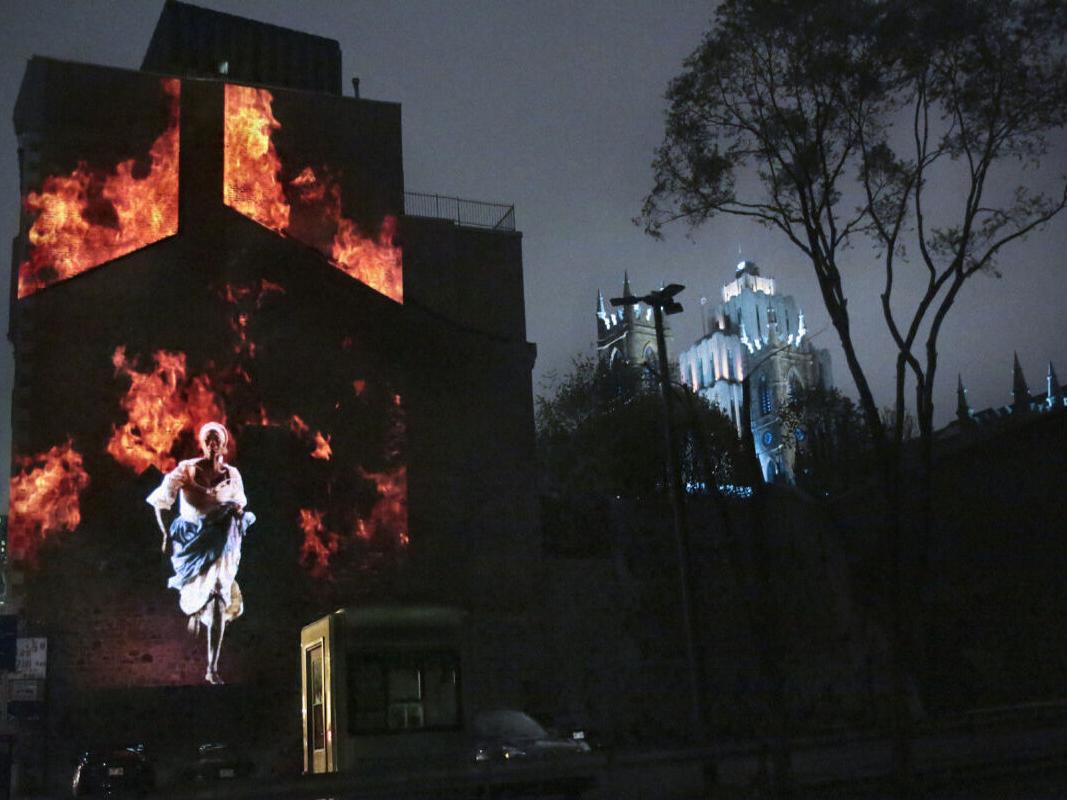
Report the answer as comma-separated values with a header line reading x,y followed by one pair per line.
x,y
662,302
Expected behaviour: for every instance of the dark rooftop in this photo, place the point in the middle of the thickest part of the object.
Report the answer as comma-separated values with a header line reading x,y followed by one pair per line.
x,y
198,42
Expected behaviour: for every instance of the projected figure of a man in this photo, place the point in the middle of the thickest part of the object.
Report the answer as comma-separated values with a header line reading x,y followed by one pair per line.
x,y
205,538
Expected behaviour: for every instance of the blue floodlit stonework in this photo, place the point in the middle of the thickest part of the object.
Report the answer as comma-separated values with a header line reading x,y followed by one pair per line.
x,y
759,334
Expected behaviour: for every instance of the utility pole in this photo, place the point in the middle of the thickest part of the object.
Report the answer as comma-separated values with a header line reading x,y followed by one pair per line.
x,y
662,302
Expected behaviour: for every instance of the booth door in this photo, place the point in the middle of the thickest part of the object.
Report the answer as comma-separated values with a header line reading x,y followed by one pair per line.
x,y
315,701
320,737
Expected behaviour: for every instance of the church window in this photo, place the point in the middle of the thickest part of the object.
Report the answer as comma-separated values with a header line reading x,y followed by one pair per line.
x,y
651,372
766,403
771,472
795,386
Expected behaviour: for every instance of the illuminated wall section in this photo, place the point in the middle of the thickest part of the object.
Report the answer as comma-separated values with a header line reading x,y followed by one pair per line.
x,y
317,432
347,437
226,322
99,211
45,498
299,199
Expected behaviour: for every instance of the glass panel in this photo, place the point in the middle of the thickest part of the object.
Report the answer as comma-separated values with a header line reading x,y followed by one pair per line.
x,y
404,684
405,692
401,691
405,716
441,695
318,709
366,691
318,728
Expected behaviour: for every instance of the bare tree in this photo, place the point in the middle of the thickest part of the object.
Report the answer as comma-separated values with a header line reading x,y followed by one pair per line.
x,y
832,122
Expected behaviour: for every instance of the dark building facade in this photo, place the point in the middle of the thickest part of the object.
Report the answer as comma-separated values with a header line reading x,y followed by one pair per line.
x,y
221,237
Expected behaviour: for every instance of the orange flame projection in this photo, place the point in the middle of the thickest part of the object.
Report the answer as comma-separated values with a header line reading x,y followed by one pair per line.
x,y
240,296
387,520
319,543
322,449
236,380
89,217
160,405
235,293
252,186
45,491
376,262
250,167
389,517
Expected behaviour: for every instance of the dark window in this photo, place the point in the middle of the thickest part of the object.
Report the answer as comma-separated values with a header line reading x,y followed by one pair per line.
x,y
403,692
795,387
366,696
318,707
766,403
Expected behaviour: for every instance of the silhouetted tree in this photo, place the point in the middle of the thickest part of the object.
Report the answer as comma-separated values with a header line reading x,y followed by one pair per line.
x,y
849,113
833,448
599,432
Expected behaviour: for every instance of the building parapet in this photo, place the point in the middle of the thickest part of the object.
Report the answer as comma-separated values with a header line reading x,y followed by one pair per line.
x,y
465,213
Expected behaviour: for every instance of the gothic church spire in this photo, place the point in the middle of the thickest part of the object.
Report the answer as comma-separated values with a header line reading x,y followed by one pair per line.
x,y
963,409
1020,392
1053,391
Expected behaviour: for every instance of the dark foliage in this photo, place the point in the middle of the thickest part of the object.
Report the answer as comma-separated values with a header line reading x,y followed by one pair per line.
x,y
600,436
833,448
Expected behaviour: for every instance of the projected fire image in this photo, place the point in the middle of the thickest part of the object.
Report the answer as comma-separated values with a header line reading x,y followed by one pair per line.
x,y
308,207
161,404
94,215
326,475
228,375
45,495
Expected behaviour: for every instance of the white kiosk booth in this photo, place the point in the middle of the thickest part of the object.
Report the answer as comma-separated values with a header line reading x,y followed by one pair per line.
x,y
382,682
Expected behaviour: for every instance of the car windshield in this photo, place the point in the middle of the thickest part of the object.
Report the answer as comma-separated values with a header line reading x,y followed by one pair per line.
x,y
507,724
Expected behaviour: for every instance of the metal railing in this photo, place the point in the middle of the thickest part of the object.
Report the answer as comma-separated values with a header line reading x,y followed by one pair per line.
x,y
466,213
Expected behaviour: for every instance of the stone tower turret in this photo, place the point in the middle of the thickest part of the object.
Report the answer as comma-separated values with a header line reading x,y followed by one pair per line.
x,y
626,335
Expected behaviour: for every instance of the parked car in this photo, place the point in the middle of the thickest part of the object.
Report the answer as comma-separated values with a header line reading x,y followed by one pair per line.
x,y
114,772
580,729
544,763
219,762
506,734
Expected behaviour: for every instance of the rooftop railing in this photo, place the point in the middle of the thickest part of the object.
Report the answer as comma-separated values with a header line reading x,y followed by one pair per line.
x,y
466,213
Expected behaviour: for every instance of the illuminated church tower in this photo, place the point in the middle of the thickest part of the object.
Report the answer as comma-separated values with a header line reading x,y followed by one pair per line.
x,y
759,334
626,335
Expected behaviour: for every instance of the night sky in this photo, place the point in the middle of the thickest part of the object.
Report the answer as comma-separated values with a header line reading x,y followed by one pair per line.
x,y
557,108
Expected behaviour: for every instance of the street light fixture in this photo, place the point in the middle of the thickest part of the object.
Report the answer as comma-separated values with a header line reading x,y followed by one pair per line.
x,y
662,302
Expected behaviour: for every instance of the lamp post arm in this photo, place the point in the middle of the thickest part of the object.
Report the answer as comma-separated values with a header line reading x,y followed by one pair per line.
x,y
681,535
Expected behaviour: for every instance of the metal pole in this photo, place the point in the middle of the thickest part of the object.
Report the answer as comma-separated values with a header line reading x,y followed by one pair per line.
x,y
681,535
